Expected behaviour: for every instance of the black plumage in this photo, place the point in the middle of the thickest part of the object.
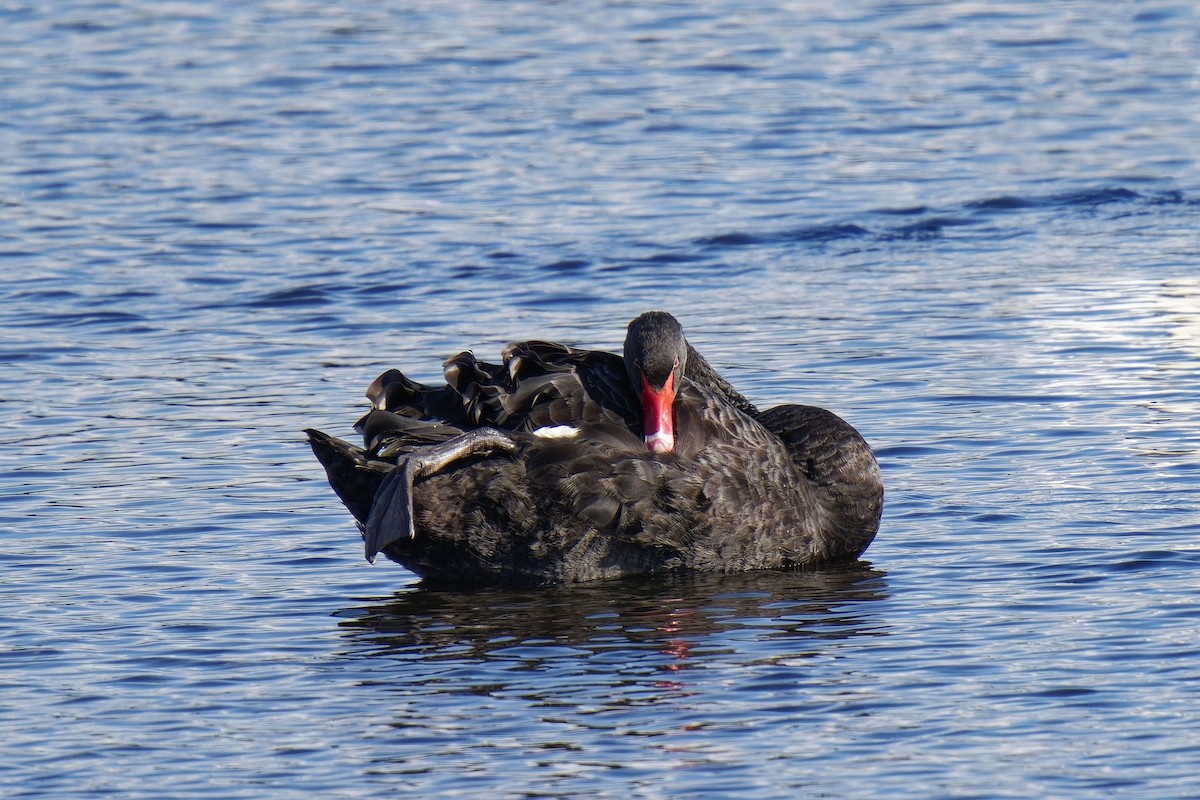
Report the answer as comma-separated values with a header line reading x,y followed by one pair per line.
x,y
544,469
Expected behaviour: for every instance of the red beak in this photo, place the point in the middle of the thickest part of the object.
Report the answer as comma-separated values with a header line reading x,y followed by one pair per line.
x,y
658,418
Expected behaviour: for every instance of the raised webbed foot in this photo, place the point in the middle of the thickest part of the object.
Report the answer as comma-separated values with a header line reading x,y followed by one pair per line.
x,y
391,516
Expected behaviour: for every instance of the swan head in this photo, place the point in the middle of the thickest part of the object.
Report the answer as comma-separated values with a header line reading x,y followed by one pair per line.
x,y
655,355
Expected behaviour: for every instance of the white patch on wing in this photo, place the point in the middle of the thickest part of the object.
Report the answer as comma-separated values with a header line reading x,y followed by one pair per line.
x,y
557,432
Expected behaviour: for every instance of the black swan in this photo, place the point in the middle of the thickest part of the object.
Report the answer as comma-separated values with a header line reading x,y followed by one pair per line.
x,y
564,465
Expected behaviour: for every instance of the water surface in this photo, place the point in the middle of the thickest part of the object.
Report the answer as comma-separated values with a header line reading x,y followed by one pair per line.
x,y
968,228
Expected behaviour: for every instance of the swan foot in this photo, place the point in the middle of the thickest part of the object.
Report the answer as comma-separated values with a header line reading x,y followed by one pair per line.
x,y
392,516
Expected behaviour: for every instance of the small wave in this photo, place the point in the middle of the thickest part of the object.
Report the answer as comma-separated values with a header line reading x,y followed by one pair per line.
x,y
568,265
1156,559
667,258
930,223
808,233
1001,203
736,239
826,233
95,318
927,228
1095,197
297,296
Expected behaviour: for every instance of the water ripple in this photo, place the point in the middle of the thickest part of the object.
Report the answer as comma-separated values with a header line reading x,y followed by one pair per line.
x,y
970,229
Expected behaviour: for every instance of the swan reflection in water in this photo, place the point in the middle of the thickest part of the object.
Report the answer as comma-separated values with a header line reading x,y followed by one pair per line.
x,y
614,624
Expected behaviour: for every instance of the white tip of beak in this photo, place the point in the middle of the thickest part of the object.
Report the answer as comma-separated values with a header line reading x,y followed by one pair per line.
x,y
660,442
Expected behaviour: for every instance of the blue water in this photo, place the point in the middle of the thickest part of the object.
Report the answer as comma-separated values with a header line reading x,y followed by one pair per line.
x,y
971,229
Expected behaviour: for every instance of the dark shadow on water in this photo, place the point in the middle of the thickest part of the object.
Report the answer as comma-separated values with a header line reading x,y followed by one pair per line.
x,y
667,614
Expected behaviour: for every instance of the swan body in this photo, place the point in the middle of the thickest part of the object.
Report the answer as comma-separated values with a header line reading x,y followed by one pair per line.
x,y
562,465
